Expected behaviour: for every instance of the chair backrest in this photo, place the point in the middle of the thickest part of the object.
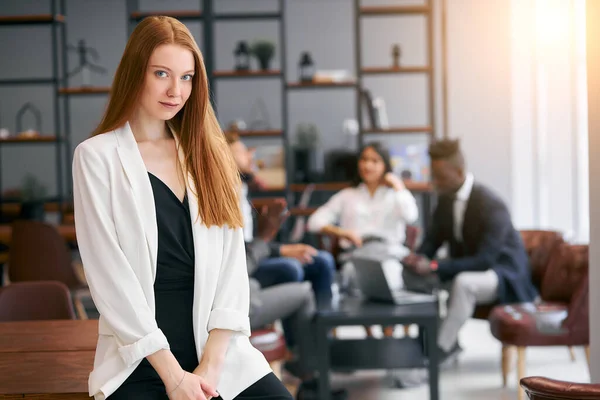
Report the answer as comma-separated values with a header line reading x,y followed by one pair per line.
x,y
541,388
577,322
539,246
566,270
29,301
38,253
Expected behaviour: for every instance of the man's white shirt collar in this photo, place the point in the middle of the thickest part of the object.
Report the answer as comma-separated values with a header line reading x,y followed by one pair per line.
x,y
465,190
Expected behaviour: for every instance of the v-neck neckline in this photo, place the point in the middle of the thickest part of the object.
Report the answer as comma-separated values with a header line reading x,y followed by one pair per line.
x,y
182,202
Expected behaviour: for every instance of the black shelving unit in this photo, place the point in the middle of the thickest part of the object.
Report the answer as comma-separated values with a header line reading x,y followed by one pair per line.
x,y
399,11
56,21
280,74
209,18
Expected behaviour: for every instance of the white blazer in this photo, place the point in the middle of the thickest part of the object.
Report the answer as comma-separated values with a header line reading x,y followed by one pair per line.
x,y
117,234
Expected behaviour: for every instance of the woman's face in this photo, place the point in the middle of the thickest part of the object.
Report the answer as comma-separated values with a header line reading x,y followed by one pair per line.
x,y
168,81
371,167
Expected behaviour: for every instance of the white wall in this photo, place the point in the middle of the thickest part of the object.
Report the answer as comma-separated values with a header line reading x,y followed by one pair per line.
x,y
479,88
593,63
517,101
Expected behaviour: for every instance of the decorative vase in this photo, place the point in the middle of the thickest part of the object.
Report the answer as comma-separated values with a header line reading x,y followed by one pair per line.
x,y
264,63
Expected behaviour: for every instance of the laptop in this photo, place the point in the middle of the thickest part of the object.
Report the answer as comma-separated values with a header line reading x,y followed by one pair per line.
x,y
371,280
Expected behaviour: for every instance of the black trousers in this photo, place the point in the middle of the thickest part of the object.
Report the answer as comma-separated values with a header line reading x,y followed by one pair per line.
x,y
267,388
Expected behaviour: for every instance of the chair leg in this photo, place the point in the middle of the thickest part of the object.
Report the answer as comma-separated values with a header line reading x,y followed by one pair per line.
x,y
81,313
587,355
369,331
572,353
406,330
520,370
506,362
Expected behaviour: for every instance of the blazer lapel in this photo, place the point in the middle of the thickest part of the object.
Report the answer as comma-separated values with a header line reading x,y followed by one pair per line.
x,y
137,174
467,218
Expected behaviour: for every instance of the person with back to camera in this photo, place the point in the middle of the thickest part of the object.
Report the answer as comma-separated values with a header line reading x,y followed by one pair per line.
x,y
159,228
287,262
487,260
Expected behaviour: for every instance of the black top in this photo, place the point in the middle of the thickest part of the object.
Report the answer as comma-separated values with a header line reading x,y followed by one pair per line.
x,y
173,288
489,241
174,283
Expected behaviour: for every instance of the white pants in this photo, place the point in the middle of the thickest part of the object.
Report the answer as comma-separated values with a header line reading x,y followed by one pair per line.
x,y
468,290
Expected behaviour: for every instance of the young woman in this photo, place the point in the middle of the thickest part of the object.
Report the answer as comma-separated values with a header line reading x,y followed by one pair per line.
x,y
159,228
373,212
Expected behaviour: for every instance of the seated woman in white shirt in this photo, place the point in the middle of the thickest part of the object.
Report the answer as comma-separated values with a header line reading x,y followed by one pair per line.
x,y
373,212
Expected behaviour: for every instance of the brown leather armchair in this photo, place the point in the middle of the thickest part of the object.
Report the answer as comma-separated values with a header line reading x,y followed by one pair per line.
x,y
564,290
539,245
540,388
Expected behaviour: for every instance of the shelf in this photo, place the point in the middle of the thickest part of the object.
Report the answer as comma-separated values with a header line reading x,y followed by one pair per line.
x,y
31,19
247,74
405,130
321,85
261,133
388,10
395,70
84,90
34,139
336,186
27,81
327,186
181,15
248,16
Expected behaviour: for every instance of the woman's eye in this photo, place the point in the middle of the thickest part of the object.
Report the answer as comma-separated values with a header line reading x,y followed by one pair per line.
x,y
187,77
161,74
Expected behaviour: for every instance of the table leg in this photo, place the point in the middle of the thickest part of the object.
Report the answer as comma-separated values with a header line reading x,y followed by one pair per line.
x,y
323,359
432,354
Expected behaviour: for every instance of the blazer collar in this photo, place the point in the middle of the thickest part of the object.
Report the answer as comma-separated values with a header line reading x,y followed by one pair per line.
x,y
138,178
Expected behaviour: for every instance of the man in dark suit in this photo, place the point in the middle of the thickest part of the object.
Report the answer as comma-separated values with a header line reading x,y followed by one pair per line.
x,y
487,260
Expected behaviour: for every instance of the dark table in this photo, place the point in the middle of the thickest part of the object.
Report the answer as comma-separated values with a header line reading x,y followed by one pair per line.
x,y
386,353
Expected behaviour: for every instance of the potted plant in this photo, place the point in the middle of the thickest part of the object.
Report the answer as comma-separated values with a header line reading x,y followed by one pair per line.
x,y
33,195
263,50
307,136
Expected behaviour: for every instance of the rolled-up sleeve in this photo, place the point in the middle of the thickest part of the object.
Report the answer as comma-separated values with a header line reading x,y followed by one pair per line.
x,y
115,288
231,304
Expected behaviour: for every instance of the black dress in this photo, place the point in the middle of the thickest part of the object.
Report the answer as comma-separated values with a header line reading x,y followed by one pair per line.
x,y
174,299
173,293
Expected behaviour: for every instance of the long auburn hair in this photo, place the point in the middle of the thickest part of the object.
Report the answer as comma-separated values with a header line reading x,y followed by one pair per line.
x,y
207,156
